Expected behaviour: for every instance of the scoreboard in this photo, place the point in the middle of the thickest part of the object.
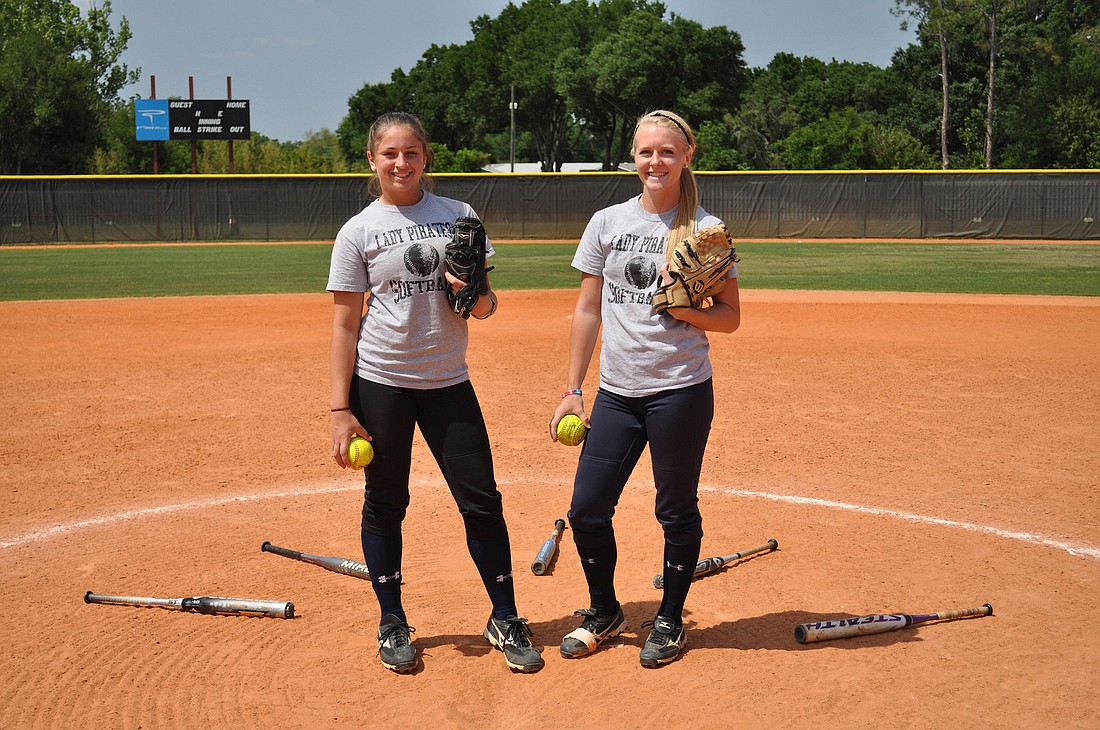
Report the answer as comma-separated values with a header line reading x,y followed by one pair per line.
x,y
219,119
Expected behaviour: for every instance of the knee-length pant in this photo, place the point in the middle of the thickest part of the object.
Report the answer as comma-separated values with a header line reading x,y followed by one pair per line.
x,y
451,421
676,425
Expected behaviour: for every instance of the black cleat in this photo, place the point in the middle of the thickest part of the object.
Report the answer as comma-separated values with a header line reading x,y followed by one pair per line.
x,y
395,647
513,637
592,632
665,642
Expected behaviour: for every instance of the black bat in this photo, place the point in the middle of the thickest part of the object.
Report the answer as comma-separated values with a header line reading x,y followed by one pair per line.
x,y
546,553
202,604
709,565
841,628
336,565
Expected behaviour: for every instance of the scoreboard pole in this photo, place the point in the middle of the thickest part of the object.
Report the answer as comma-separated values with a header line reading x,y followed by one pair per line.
x,y
194,157
229,97
153,95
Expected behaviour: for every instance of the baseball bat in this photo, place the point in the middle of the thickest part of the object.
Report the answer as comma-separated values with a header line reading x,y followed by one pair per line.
x,y
546,552
709,565
336,565
202,604
842,628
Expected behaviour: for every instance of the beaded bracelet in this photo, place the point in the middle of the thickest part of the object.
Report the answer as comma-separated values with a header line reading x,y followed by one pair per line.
x,y
575,391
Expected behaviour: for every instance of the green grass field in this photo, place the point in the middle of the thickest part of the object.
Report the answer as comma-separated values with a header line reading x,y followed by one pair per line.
x,y
88,272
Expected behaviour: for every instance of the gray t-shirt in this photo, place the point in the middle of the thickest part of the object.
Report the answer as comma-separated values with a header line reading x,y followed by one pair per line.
x,y
409,336
642,353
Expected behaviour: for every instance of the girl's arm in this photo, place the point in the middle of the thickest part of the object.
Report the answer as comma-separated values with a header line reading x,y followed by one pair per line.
x,y
583,334
723,315
346,316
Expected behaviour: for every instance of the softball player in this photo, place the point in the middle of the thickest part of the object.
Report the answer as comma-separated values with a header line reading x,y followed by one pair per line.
x,y
401,365
655,385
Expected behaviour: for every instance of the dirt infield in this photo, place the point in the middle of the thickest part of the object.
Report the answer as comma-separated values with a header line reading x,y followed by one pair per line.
x,y
910,453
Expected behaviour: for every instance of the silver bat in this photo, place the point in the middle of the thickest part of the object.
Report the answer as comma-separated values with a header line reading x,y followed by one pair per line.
x,y
546,552
202,604
337,565
709,565
841,628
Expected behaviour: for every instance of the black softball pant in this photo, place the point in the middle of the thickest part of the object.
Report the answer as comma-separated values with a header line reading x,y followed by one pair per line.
x,y
451,421
676,425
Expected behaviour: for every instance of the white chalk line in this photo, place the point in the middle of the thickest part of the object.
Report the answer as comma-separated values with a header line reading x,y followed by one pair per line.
x,y
1077,550
136,514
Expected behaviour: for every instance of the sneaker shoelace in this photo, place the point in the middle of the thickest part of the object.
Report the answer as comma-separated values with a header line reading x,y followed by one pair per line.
x,y
399,633
518,632
659,635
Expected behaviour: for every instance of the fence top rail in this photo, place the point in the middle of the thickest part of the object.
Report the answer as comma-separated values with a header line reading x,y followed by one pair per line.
x,y
612,173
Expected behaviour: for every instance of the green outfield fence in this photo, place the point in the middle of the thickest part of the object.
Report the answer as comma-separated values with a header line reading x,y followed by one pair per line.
x,y
1018,204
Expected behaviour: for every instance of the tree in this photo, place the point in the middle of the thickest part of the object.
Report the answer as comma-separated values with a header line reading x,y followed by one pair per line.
x,y
1066,80
463,160
985,15
645,62
823,88
588,77
59,77
1076,117
847,140
119,152
707,70
716,148
989,12
609,62
529,61
793,92
1077,123
1046,81
935,18
617,80
319,152
768,114
364,106
988,83
442,89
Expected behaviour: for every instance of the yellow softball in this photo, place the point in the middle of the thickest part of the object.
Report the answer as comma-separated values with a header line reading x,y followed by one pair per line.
x,y
360,452
571,430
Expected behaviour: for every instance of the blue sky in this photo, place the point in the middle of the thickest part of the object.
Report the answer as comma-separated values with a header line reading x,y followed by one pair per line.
x,y
298,61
